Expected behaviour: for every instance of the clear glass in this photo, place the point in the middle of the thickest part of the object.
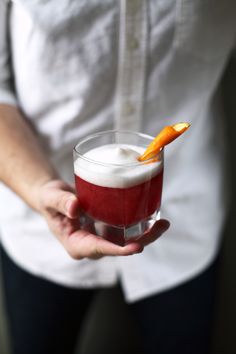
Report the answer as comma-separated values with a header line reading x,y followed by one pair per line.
x,y
119,202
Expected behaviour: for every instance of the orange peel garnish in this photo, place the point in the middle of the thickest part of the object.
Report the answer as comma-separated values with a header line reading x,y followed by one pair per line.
x,y
165,137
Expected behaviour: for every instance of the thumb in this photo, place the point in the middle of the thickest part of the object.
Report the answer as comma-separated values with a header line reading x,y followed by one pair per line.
x,y
61,201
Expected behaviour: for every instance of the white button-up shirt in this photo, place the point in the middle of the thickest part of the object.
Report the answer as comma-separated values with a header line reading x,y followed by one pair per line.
x,y
78,67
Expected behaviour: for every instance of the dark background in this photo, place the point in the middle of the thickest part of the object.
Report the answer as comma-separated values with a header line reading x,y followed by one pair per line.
x,y
109,328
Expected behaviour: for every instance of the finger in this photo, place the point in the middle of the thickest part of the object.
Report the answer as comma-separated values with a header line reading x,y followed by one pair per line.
x,y
158,229
72,208
61,201
62,226
83,244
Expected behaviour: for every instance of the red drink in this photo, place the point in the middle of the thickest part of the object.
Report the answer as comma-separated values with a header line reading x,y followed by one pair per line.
x,y
119,196
120,206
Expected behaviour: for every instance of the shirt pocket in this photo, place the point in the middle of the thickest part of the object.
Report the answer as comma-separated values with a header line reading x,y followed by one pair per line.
x,y
58,20
68,34
205,28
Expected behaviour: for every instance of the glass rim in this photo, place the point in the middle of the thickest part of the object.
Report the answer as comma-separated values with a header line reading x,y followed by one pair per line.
x,y
133,164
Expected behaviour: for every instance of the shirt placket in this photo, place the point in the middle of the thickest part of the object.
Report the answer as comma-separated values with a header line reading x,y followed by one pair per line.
x,y
133,41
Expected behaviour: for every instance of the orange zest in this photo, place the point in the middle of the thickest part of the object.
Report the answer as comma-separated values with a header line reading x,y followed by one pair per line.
x,y
165,137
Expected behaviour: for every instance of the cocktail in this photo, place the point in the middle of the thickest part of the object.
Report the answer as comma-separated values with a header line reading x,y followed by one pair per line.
x,y
120,197
118,177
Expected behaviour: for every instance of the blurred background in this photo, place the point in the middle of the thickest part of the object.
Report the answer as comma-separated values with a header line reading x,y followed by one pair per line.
x,y
108,324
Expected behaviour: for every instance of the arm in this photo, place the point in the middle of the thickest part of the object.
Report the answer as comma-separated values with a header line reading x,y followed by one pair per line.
x,y
24,166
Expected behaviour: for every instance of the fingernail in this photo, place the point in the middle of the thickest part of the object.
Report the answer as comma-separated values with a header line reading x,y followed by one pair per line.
x,y
69,203
165,224
140,250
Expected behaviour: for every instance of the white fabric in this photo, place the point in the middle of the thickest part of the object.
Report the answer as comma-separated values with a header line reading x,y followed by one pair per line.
x,y
64,64
131,81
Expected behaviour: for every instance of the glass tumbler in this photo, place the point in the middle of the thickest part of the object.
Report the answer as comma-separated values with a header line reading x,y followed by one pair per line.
x,y
119,202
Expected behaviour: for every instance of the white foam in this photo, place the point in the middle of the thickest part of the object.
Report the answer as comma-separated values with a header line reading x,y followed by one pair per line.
x,y
116,171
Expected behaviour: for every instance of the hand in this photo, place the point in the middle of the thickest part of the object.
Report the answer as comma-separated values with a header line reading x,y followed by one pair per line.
x,y
60,207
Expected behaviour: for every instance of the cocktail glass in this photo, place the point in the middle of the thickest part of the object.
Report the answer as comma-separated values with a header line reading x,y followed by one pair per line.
x,y
119,202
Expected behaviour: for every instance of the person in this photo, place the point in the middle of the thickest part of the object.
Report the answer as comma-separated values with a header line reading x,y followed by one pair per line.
x,y
71,68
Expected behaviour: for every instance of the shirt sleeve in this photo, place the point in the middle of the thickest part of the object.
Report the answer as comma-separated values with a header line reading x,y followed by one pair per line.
x,y
7,93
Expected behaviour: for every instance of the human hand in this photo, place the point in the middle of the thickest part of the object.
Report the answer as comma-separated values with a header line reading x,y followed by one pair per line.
x,y
60,207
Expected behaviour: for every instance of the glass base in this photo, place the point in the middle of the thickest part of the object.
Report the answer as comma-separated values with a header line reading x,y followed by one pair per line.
x,y
120,235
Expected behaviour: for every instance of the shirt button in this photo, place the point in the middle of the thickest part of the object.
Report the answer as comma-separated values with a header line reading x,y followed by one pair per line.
x,y
133,43
128,109
134,5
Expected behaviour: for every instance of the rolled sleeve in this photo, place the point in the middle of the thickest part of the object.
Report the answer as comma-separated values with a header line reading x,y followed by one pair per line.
x,y
7,92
